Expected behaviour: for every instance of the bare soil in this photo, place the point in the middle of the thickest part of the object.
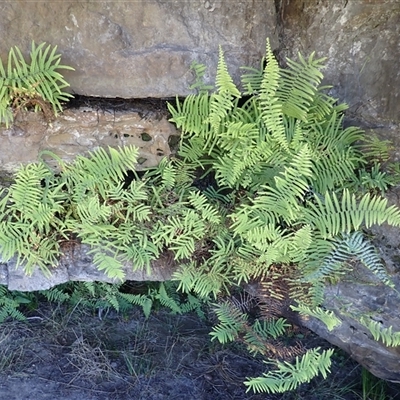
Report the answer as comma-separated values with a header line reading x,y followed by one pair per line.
x,y
72,354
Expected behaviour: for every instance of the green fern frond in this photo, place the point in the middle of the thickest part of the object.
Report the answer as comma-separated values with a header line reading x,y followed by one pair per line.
x,y
191,116
301,242
223,80
385,335
204,281
110,265
13,239
179,234
270,105
27,193
231,321
139,299
272,328
10,302
199,71
252,78
141,252
329,259
92,212
282,201
290,376
221,102
367,254
166,300
299,86
327,317
200,202
55,295
334,215
333,169
23,81
99,171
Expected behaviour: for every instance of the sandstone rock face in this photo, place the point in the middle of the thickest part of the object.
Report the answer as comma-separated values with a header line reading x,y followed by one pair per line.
x,y
361,42
78,131
137,49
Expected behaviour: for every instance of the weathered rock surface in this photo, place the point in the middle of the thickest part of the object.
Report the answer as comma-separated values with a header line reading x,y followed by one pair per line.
x,y
144,49
362,295
137,49
351,300
77,265
361,42
78,131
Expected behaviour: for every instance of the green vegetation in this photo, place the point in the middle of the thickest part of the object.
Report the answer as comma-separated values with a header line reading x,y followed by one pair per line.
x,y
267,186
36,84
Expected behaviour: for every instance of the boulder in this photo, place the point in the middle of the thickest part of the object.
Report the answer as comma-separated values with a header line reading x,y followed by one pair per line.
x,y
361,42
76,264
377,302
361,295
139,49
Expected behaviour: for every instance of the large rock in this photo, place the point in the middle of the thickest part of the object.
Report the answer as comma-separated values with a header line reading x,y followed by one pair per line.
x,y
352,300
361,41
83,129
137,49
361,295
76,264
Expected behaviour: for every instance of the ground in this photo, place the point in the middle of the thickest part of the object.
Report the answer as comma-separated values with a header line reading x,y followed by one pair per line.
x,y
72,354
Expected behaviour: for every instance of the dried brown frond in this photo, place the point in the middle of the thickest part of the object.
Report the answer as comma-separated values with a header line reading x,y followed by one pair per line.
x,y
24,99
243,301
274,292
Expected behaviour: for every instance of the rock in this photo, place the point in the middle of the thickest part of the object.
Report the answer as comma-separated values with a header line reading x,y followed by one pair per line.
x,y
77,265
78,131
140,49
361,42
360,294
378,303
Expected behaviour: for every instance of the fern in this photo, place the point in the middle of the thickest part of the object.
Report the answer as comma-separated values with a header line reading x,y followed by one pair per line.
x,y
300,86
36,84
10,302
333,215
385,335
166,300
270,104
141,300
289,376
327,317
282,204
231,323
199,72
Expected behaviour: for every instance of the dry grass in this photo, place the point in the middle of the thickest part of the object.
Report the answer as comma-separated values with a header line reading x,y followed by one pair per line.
x,y
164,357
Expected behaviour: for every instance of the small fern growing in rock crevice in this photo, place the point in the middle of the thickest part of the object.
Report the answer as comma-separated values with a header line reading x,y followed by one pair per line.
x,y
36,84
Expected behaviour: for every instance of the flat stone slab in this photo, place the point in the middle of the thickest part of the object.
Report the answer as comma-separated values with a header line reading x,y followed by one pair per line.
x,y
78,265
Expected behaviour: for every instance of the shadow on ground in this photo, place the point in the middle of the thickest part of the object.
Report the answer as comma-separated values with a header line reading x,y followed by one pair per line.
x,y
73,355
